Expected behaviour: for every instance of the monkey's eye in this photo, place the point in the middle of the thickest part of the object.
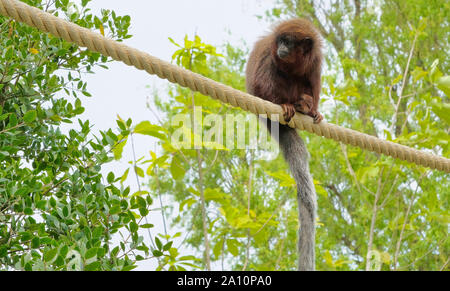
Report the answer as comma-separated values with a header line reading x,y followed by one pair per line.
x,y
281,40
284,39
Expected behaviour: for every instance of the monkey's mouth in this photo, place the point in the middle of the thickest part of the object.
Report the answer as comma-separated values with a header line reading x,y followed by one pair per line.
x,y
282,52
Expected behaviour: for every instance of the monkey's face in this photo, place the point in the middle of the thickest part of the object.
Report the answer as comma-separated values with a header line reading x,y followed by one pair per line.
x,y
291,47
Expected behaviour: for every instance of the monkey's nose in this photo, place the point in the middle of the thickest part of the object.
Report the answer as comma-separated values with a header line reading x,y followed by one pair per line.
x,y
282,52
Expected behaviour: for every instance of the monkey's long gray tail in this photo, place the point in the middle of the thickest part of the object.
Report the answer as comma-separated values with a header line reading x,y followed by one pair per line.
x,y
297,156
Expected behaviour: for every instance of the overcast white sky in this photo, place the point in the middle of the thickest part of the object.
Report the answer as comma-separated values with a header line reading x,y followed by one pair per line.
x,y
122,90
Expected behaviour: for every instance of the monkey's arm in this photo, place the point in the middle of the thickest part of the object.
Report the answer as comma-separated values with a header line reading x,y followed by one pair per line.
x,y
314,80
265,88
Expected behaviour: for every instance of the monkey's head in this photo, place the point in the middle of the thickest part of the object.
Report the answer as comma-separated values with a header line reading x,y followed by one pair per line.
x,y
296,45
290,46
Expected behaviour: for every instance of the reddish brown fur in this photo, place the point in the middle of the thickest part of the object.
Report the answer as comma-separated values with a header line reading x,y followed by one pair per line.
x,y
284,81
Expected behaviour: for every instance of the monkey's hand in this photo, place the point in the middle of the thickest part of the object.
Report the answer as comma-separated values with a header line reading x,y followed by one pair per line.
x,y
288,111
317,116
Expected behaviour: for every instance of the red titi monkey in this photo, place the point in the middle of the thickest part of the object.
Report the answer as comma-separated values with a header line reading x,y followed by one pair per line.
x,y
286,65
284,68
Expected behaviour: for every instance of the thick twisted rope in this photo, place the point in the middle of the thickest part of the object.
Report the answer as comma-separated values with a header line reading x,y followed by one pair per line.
x,y
143,61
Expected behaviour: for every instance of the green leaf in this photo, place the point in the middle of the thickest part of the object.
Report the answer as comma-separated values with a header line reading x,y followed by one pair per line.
x,y
187,258
35,242
141,202
134,226
115,209
146,128
158,243
139,171
30,116
282,176
25,236
91,253
50,255
65,211
92,266
172,41
232,246
110,177
187,202
77,111
442,110
28,211
3,251
140,193
121,124
176,168
63,251
4,116
143,211
101,252
443,83
214,194
12,120
167,246
115,251
129,268
86,93
125,175
9,54
218,248
319,189
435,73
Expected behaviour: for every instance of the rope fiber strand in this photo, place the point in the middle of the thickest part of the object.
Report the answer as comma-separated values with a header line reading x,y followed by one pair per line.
x,y
118,51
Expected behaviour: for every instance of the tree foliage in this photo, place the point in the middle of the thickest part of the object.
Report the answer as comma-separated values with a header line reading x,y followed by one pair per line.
x,y
57,210
385,75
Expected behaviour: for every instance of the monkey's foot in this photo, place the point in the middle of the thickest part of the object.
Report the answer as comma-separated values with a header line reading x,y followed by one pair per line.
x,y
304,105
288,111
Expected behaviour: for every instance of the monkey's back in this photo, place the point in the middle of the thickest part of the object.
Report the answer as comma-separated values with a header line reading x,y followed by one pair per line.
x,y
259,67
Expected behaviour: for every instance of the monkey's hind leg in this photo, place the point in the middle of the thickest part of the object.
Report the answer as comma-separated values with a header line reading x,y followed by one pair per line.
x,y
305,104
